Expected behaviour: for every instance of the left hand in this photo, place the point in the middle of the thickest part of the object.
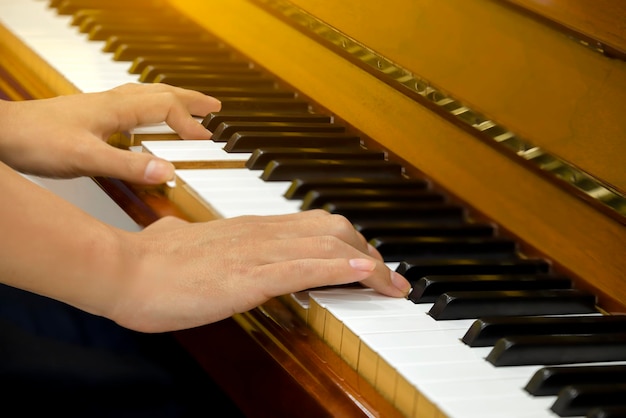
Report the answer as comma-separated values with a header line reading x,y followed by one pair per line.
x,y
66,136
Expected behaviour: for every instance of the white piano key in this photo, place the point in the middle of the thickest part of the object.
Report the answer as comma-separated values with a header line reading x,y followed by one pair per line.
x,y
402,323
498,407
237,192
410,339
463,370
192,150
157,128
348,303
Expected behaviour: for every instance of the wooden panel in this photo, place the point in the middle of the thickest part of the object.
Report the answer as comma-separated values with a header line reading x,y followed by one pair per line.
x,y
599,22
507,65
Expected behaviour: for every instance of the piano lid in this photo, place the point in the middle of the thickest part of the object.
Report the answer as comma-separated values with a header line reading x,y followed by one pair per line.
x,y
554,104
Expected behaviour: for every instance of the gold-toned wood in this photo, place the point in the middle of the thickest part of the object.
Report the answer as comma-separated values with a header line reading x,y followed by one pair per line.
x,y
547,218
30,70
598,24
507,65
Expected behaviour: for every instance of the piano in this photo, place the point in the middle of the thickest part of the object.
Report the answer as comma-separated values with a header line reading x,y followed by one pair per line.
x,y
508,110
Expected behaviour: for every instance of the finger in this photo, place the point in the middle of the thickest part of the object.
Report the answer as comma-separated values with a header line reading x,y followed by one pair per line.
x,y
179,119
296,275
297,216
198,104
393,285
336,226
135,167
161,103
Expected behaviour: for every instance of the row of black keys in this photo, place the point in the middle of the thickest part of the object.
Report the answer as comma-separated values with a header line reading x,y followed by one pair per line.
x,y
463,267
465,270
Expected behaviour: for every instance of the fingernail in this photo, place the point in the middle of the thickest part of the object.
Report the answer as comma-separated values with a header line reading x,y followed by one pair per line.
x,y
158,171
401,283
363,264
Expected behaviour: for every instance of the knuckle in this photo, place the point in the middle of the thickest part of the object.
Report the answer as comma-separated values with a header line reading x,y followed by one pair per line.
x,y
341,223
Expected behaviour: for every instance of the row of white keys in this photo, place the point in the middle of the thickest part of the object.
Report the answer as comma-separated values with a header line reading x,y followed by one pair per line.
x,y
62,46
413,349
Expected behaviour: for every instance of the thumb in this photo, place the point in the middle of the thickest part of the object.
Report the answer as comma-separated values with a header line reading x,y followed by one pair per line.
x,y
135,167
157,171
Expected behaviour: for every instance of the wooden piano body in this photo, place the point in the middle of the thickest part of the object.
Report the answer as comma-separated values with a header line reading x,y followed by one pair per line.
x,y
536,68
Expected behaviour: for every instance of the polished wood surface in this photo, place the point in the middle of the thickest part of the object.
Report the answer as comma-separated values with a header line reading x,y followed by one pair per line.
x,y
516,70
543,215
600,22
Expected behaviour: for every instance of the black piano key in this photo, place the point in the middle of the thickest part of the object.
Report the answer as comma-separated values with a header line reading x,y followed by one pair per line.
x,y
116,41
287,169
225,67
261,157
265,104
225,130
578,400
101,32
428,289
86,20
413,270
250,141
195,76
549,381
132,15
359,211
401,248
129,52
300,187
317,198
486,331
222,92
71,7
151,72
140,64
213,120
217,80
468,304
528,350
399,228
207,78
91,15
607,412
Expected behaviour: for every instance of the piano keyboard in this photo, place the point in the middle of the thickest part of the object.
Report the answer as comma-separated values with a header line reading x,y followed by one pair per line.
x,y
417,353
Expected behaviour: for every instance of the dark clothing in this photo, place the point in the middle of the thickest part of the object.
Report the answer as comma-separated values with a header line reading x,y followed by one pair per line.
x,y
57,359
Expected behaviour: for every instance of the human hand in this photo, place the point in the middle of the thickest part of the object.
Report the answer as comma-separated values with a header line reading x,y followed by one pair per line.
x,y
193,274
66,136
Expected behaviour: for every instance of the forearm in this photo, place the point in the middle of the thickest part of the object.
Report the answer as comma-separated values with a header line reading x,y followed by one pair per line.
x,y
52,248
